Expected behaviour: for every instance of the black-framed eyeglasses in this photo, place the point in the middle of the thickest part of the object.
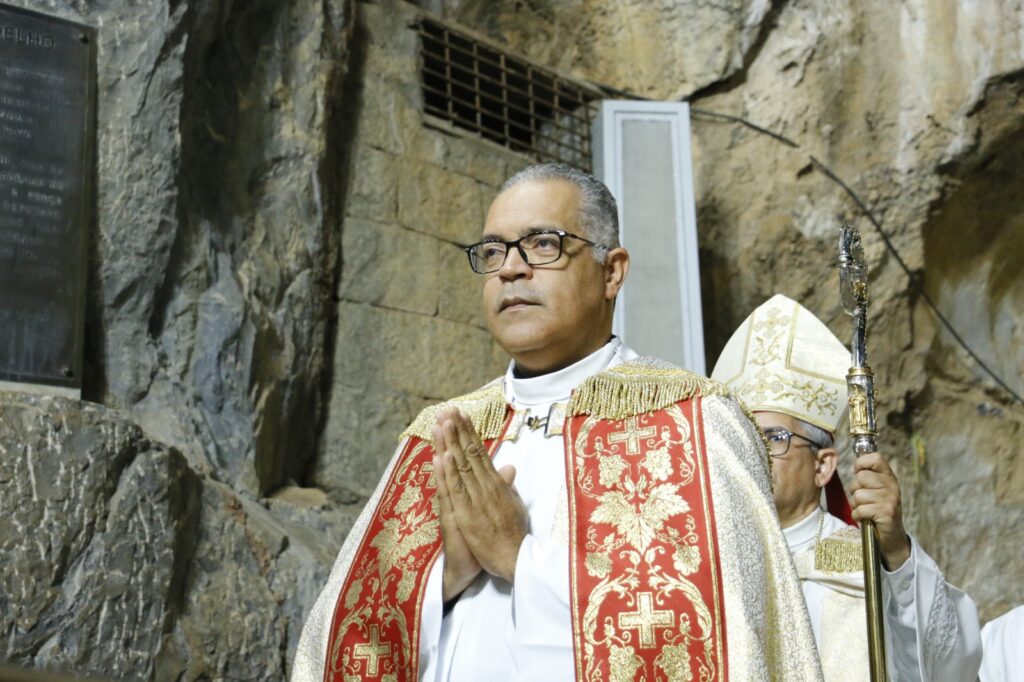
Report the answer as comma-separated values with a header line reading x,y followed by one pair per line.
x,y
537,248
779,440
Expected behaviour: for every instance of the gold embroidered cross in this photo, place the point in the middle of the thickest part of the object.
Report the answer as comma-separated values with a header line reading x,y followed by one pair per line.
x,y
372,651
632,435
646,619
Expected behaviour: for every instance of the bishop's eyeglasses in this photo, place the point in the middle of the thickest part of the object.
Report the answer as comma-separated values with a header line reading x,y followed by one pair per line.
x,y
537,248
779,440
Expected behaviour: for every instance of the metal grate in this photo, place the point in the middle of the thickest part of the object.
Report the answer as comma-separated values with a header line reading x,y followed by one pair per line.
x,y
503,98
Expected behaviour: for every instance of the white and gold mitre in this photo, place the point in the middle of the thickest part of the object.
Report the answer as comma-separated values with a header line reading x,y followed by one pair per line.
x,y
784,359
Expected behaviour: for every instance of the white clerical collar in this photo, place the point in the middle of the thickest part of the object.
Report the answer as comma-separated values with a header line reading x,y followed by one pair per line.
x,y
803,533
548,388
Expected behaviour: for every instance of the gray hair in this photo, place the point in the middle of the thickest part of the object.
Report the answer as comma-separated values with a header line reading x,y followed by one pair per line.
x,y
598,213
817,434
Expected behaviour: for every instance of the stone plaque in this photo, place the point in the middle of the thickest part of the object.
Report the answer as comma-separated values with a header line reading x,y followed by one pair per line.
x,y
47,114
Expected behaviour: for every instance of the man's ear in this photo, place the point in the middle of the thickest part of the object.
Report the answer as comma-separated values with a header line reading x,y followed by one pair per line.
x,y
616,266
825,466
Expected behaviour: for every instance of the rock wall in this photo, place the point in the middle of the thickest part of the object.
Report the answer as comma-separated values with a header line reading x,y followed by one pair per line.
x,y
160,552
100,523
275,288
121,561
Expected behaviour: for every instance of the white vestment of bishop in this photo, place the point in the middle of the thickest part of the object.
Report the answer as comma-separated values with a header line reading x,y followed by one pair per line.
x,y
931,627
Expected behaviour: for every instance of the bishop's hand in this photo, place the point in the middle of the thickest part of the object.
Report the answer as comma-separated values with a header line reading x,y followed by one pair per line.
x,y
477,501
875,496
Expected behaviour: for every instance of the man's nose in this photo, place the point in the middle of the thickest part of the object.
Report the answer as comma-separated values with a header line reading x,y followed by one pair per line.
x,y
515,266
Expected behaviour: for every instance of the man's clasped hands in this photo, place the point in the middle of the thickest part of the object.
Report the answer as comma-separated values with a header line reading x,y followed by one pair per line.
x,y
483,519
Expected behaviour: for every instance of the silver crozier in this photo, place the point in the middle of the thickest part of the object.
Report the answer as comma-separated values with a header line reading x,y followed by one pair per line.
x,y
853,281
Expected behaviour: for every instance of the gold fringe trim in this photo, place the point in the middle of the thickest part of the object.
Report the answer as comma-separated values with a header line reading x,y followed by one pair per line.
x,y
637,387
646,385
486,409
840,553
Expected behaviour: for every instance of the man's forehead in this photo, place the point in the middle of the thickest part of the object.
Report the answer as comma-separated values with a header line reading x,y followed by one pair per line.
x,y
533,206
520,232
767,418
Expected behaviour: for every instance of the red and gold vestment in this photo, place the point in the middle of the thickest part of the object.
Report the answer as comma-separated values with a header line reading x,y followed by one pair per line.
x,y
663,586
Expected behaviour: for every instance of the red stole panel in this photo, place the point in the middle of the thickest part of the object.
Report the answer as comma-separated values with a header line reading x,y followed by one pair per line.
x,y
646,584
375,630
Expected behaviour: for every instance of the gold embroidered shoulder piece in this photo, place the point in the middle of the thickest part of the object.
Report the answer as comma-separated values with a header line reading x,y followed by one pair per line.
x,y
637,387
485,407
840,552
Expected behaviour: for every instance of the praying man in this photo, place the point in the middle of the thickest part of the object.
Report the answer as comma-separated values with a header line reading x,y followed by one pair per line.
x,y
791,371
590,515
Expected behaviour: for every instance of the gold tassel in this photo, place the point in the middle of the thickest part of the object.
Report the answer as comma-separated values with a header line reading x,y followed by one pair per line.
x,y
635,388
839,553
646,385
632,388
486,409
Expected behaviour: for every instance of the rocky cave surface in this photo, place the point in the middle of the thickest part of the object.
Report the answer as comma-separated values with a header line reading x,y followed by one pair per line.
x,y
274,290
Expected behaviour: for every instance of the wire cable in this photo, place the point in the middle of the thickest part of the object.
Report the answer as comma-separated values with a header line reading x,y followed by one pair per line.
x,y
912,279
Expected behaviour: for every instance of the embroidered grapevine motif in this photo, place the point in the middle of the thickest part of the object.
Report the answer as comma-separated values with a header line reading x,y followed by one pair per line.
x,y
767,387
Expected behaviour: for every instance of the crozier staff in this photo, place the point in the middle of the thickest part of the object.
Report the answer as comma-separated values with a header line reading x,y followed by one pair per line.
x,y
589,515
